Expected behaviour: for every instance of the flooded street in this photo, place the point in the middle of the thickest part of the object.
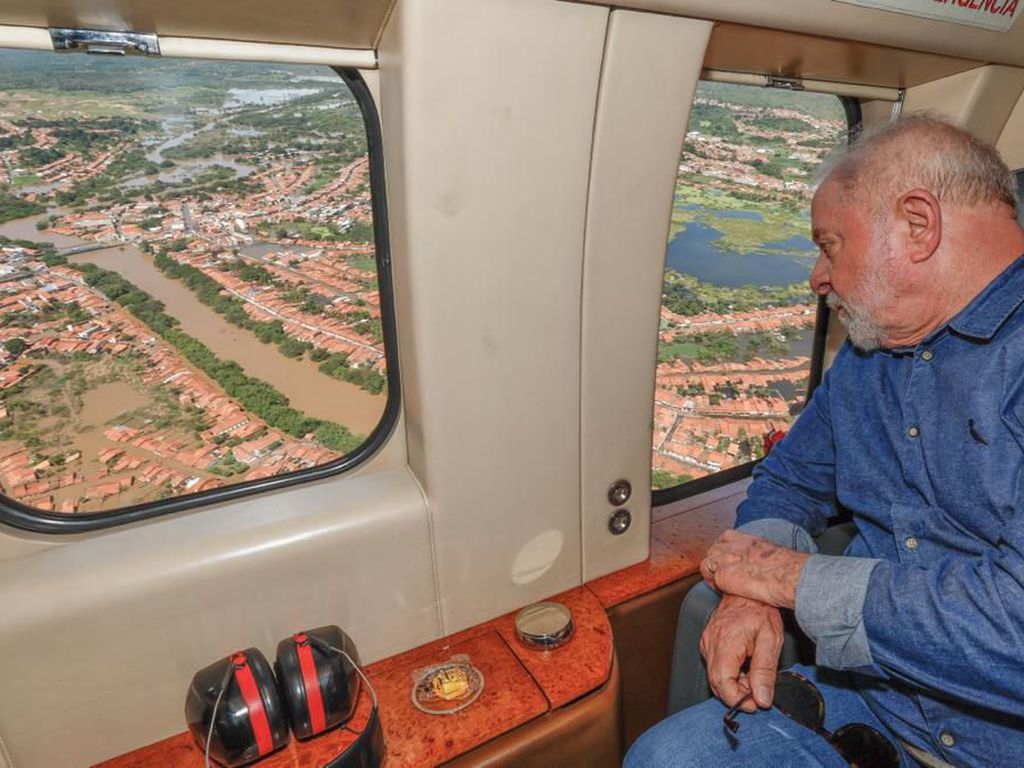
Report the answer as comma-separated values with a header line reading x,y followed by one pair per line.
x,y
25,229
300,381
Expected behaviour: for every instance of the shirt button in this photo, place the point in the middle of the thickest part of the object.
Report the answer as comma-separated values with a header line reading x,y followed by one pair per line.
x,y
914,431
947,739
910,543
926,355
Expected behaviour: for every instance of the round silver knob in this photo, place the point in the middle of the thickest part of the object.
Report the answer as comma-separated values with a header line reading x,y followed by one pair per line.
x,y
619,493
620,521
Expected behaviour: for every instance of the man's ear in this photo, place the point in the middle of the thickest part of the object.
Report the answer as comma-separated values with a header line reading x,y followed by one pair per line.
x,y
920,213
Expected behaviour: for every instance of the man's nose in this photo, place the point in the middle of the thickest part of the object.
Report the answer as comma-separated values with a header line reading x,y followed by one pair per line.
x,y
819,276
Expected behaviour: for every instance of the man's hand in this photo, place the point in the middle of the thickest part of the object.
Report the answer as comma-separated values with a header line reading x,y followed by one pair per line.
x,y
749,566
740,629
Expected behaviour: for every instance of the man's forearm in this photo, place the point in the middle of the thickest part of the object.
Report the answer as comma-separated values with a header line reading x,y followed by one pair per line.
x,y
827,593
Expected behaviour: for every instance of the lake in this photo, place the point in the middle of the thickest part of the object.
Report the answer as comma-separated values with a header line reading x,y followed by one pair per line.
x,y
696,251
238,97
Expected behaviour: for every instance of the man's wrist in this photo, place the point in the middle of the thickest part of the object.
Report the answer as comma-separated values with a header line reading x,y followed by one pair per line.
x,y
790,578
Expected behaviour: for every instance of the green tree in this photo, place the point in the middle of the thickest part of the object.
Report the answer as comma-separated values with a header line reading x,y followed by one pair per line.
x,y
15,346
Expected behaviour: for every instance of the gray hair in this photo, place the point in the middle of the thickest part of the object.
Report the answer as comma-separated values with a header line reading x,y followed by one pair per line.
x,y
927,151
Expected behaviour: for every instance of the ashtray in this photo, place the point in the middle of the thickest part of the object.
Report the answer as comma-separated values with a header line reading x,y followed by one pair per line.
x,y
444,689
543,626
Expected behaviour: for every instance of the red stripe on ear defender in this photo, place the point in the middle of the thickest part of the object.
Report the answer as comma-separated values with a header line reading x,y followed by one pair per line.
x,y
311,682
253,703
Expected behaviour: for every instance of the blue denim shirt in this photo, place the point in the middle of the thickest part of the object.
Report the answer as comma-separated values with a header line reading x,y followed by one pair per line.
x,y
925,446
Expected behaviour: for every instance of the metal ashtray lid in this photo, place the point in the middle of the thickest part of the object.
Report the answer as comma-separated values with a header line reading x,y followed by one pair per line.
x,y
544,625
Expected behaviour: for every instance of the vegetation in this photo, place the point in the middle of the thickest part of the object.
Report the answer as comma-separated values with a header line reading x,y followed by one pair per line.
x,y
358,231
336,365
39,156
662,478
686,295
15,346
721,346
13,207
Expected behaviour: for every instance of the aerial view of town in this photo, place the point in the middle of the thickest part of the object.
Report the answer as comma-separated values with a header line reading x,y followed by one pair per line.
x,y
737,316
188,280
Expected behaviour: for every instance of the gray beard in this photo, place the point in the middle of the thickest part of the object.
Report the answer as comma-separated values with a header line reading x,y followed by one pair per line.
x,y
864,334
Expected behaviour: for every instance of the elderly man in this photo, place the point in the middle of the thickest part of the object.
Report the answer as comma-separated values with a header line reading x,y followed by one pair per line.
x,y
918,431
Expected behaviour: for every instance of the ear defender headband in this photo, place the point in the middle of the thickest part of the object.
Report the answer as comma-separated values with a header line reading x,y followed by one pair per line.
x,y
238,712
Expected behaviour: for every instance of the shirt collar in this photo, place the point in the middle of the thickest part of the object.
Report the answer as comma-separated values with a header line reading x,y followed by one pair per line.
x,y
993,306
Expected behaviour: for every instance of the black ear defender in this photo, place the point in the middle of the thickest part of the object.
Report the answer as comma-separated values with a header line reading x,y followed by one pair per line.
x,y
234,711
319,678
319,687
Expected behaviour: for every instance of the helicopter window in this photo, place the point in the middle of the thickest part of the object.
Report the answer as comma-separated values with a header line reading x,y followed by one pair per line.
x,y
737,315
189,281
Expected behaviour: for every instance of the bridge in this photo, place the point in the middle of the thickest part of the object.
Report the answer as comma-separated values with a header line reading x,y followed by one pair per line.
x,y
75,250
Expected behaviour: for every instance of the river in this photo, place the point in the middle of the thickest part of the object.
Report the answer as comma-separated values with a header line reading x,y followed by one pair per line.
x,y
308,390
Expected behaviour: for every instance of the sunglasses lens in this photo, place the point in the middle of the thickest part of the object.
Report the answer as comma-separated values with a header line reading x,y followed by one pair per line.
x,y
864,747
796,697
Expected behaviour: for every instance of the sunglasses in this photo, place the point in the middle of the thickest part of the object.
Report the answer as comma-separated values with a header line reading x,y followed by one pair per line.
x,y
798,699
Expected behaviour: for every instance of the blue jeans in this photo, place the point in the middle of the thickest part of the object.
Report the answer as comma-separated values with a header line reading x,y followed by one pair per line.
x,y
696,736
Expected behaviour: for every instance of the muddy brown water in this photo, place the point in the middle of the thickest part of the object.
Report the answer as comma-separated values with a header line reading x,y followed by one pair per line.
x,y
305,387
113,398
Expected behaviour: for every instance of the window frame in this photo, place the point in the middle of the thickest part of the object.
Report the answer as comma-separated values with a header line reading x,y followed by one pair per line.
x,y
664,496
27,518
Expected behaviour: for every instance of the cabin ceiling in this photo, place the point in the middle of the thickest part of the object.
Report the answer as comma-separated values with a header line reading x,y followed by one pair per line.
x,y
332,23
879,48
740,48
850,22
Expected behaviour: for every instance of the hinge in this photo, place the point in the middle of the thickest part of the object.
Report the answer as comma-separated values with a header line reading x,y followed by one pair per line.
x,y
789,83
102,42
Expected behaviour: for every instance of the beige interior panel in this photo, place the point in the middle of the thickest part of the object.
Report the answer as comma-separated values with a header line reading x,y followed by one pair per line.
x,y
651,66
487,175
334,23
99,638
1011,140
980,100
741,48
204,48
827,18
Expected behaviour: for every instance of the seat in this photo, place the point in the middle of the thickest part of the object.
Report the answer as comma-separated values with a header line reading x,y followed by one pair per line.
x,y
688,683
